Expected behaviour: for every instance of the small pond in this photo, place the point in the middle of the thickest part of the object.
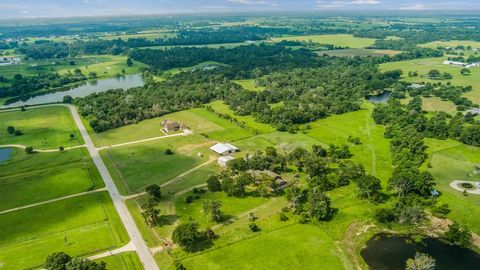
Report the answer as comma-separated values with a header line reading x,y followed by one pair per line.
x,y
124,82
382,98
389,252
5,154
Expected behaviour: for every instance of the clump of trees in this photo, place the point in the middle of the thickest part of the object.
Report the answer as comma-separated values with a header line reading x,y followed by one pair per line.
x,y
190,238
458,234
62,261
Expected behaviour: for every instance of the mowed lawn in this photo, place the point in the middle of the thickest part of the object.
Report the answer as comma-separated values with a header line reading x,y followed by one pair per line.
x,y
343,40
42,128
123,261
451,160
136,166
79,226
423,66
373,153
435,104
24,180
294,247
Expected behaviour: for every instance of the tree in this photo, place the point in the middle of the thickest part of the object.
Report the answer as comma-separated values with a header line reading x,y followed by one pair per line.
x,y
61,148
465,71
168,152
129,62
434,74
67,99
10,130
18,133
368,187
254,227
213,184
154,191
57,261
319,205
62,261
212,208
29,150
458,234
421,261
150,211
187,236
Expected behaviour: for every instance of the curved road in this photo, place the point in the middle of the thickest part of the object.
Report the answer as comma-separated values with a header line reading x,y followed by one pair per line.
x,y
135,236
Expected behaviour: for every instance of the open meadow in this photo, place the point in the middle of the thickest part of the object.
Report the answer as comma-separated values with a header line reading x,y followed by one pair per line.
x,y
41,128
342,40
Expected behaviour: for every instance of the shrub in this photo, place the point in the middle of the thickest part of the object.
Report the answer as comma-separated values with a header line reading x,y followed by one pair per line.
x,y
168,152
254,227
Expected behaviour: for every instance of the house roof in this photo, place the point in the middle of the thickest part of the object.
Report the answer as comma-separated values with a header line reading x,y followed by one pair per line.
x,y
221,148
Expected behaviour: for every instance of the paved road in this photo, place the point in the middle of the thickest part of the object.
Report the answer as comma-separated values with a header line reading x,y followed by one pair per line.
x,y
53,200
135,236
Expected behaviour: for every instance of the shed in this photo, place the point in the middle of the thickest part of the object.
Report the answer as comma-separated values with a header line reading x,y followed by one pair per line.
x,y
223,161
224,149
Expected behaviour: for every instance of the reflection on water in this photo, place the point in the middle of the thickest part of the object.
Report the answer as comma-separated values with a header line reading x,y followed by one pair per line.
x,y
125,82
5,154
390,252
382,98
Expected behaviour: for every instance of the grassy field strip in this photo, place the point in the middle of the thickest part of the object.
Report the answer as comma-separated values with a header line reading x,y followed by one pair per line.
x,y
212,159
185,133
53,200
39,150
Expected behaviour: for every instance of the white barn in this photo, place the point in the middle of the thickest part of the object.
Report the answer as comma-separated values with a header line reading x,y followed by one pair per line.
x,y
224,149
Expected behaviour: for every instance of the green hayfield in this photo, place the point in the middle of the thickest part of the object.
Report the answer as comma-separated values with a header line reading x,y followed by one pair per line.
x,y
450,161
358,52
212,46
27,179
337,40
79,226
423,66
42,128
435,104
231,206
451,43
249,84
195,178
137,166
220,107
295,247
151,128
374,151
104,65
123,261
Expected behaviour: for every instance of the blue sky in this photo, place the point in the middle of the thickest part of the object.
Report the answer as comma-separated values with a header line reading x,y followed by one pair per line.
x,y
68,8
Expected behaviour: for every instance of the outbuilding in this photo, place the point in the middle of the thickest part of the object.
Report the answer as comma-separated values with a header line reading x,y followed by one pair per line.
x,y
224,149
223,161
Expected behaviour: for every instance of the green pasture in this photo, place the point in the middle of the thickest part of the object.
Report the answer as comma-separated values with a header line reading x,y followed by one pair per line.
x,y
79,226
451,160
452,44
137,166
249,84
423,66
123,261
435,104
343,40
359,52
42,128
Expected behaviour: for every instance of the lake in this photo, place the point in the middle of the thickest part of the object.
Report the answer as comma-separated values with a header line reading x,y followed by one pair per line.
x,y
5,154
382,98
389,252
124,82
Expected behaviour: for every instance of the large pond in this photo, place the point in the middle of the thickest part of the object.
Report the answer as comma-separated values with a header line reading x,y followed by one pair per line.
x,y
390,252
382,98
124,82
5,154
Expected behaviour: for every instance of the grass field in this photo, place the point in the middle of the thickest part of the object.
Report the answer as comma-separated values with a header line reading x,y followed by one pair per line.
x,y
435,104
42,128
338,40
374,151
138,166
78,226
450,161
451,43
249,84
358,52
123,261
104,65
423,66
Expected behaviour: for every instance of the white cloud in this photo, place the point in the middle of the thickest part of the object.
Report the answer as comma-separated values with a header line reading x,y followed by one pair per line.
x,y
25,12
334,4
250,2
413,7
